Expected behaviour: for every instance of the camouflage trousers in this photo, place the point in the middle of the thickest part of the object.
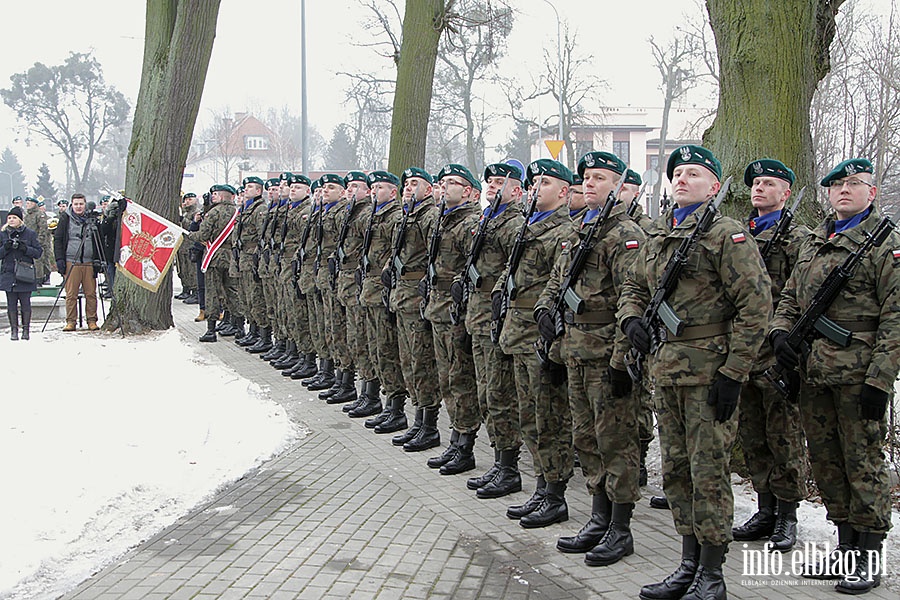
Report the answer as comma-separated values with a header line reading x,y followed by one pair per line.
x,y
544,419
384,351
645,415
417,359
456,375
847,458
252,299
186,270
605,433
772,440
336,331
696,457
358,339
221,291
270,300
293,309
497,402
314,312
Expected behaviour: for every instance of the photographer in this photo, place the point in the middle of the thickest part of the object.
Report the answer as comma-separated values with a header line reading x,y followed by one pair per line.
x,y
18,244
78,259
109,235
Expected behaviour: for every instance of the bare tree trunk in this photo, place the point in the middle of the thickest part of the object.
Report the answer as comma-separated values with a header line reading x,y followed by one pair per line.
x,y
771,56
177,47
423,23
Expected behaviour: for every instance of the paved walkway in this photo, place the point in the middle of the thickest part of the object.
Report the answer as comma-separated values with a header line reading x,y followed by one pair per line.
x,y
344,514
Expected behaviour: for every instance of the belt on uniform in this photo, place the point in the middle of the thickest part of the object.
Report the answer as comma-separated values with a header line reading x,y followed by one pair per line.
x,y
487,284
858,326
699,331
523,303
412,275
593,317
443,286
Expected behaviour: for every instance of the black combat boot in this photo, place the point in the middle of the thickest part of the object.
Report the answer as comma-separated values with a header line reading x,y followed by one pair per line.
x,y
26,324
709,582
785,535
185,292
660,502
289,359
373,422
762,523
436,462
642,474
210,335
251,338
264,343
675,585
192,298
300,364
473,483
237,323
517,511
867,574
409,434
229,329
594,530
277,349
618,542
553,508
347,391
428,436
306,368
372,405
223,324
335,385
833,565
464,459
324,379
507,480
397,419
360,399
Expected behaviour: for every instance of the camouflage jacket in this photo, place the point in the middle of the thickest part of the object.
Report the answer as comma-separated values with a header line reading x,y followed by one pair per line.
x,y
642,219
870,302
414,255
593,335
249,225
724,286
214,222
499,238
544,243
307,277
359,221
271,238
383,225
331,227
456,237
36,220
295,221
264,218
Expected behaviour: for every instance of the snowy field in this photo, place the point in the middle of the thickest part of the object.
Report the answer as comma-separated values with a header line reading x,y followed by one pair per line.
x,y
105,441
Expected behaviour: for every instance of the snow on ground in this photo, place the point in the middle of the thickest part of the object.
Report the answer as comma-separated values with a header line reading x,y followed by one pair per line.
x,y
105,441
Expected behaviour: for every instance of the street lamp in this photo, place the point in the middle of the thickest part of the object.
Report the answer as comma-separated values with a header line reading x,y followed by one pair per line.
x,y
559,71
10,186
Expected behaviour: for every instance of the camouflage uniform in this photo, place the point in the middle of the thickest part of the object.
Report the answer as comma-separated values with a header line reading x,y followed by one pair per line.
x,y
291,304
36,220
187,271
357,338
221,288
265,220
604,427
544,417
770,429
644,391
723,289
268,271
497,400
333,311
384,349
249,229
845,450
452,349
306,281
414,336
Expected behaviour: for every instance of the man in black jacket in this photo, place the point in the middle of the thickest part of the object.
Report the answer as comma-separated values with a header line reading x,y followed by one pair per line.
x,y
77,253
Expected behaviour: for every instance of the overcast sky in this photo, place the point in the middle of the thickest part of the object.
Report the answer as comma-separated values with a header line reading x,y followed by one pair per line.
x,y
258,41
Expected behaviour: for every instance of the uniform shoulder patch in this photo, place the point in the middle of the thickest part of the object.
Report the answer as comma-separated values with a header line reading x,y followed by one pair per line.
x,y
896,254
632,244
738,238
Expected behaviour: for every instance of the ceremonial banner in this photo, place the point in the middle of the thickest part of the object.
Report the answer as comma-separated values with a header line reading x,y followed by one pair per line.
x,y
149,244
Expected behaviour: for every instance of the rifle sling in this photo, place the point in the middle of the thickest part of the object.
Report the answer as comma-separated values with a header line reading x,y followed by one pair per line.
x,y
700,331
858,326
593,317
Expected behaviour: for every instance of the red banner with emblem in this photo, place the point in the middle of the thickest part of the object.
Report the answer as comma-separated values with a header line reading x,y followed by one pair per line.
x,y
149,244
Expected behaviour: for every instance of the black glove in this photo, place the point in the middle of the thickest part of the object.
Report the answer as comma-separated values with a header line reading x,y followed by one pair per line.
x,y
195,255
724,396
785,355
546,325
61,267
637,334
386,279
358,277
98,267
872,403
558,373
456,292
332,266
423,287
15,243
621,382
496,305
8,244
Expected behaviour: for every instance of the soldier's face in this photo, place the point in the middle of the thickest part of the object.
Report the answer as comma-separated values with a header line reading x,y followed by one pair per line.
x,y
576,197
272,193
456,190
851,195
359,188
598,183
418,188
252,190
299,191
628,192
692,184
552,193
284,189
769,194
384,191
511,193
333,192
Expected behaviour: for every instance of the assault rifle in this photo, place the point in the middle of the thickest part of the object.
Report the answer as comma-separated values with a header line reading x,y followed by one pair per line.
x,y
261,243
511,290
342,237
364,262
304,237
658,311
238,244
566,296
813,320
781,230
280,251
636,201
433,247
470,274
395,266
320,236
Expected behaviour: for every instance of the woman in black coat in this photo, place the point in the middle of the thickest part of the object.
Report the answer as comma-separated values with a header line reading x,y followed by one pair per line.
x,y
17,242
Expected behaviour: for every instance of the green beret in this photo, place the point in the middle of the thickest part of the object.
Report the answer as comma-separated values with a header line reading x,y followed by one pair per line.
x,y
383,176
189,195
223,187
298,178
503,170
17,198
286,176
252,179
767,167
30,199
415,172
274,182
847,168
577,179
355,176
633,177
315,184
546,166
459,171
601,160
40,203
694,155
332,178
